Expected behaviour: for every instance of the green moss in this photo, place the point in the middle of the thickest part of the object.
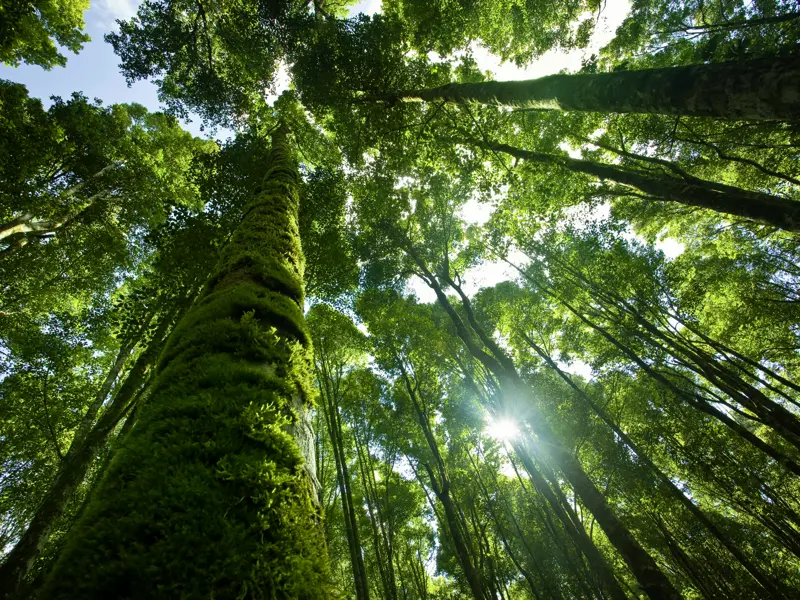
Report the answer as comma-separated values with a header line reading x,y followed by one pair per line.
x,y
208,497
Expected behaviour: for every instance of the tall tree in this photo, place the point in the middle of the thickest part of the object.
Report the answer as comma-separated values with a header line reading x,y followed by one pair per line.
x,y
756,89
336,349
680,187
225,435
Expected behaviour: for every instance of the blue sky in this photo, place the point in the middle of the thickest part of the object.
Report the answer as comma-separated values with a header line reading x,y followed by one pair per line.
x,y
94,70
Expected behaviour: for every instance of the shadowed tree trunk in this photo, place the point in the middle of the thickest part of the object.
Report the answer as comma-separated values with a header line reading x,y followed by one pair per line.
x,y
752,89
87,442
213,493
652,580
727,200
770,587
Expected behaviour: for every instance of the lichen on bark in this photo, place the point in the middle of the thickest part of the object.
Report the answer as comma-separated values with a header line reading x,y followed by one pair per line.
x,y
209,495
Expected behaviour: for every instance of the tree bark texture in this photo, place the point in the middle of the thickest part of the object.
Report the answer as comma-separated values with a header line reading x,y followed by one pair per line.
x,y
758,89
754,206
212,495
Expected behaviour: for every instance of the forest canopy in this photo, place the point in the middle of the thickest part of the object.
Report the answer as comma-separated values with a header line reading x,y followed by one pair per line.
x,y
411,331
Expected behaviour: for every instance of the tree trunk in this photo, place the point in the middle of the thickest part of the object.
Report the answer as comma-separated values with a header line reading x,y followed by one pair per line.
x,y
770,587
334,425
86,444
753,89
652,580
385,566
441,487
598,564
213,493
755,206
24,224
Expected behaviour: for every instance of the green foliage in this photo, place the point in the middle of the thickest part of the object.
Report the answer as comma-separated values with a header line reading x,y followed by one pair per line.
x,y
28,29
519,30
213,58
625,378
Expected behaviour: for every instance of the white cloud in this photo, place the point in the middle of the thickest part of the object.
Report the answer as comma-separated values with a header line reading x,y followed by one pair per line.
x,y
368,7
554,61
104,13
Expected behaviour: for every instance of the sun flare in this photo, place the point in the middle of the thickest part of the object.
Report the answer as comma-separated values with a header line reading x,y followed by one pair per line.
x,y
502,430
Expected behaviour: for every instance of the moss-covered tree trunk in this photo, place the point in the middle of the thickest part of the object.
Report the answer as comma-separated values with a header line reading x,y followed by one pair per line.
x,y
213,493
752,89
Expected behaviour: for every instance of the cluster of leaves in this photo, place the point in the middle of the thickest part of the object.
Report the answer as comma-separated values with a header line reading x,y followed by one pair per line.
x,y
28,29
652,429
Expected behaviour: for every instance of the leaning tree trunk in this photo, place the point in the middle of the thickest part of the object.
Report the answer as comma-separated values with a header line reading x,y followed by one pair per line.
x,y
754,206
653,581
477,582
76,463
771,587
213,493
753,89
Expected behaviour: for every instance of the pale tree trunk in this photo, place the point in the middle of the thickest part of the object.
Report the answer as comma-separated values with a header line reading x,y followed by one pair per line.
x,y
26,223
758,89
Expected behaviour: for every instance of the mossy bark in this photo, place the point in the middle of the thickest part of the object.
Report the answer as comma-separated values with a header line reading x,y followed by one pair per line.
x,y
212,494
752,89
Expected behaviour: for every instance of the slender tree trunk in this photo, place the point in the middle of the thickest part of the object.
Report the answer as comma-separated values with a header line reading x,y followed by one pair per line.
x,y
653,581
769,586
90,416
333,423
475,579
697,401
755,206
752,89
598,564
441,487
389,590
72,470
359,568
552,592
213,493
